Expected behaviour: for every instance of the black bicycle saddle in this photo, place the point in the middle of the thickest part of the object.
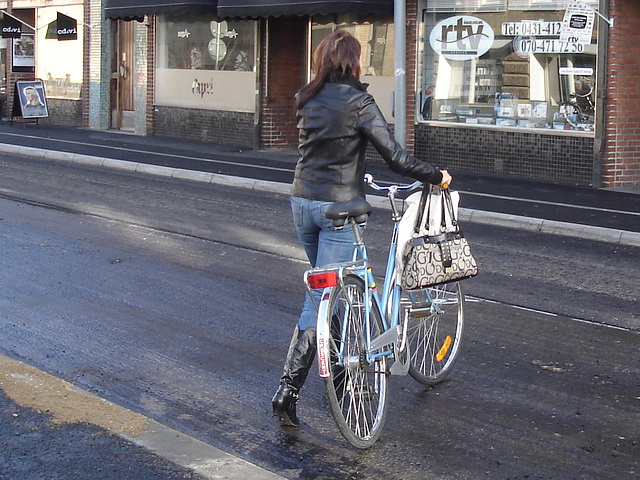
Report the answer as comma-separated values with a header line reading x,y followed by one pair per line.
x,y
357,207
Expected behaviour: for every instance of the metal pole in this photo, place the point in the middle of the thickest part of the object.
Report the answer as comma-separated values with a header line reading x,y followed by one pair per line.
x,y
601,100
400,68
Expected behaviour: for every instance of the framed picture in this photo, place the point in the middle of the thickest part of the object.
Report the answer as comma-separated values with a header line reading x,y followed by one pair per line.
x,y
33,101
23,54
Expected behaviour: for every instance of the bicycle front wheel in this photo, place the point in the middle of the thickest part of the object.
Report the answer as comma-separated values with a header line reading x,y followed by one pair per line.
x,y
357,384
434,333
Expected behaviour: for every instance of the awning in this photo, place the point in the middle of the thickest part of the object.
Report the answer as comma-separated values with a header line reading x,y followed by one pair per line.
x,y
11,27
66,27
63,28
137,9
277,8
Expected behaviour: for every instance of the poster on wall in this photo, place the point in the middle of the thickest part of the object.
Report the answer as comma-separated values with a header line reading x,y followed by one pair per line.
x,y
31,97
23,51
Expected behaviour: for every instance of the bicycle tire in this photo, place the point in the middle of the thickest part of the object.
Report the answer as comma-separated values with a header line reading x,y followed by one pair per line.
x,y
356,390
434,336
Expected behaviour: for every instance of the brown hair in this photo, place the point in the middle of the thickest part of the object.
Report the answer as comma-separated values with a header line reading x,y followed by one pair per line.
x,y
336,59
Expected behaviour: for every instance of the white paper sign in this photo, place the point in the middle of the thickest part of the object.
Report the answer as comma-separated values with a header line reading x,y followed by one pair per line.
x,y
587,71
577,24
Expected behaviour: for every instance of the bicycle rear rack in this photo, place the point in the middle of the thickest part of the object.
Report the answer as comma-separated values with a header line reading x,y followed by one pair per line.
x,y
330,275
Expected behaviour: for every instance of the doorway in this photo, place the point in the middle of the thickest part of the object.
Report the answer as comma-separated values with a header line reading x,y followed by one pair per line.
x,y
122,70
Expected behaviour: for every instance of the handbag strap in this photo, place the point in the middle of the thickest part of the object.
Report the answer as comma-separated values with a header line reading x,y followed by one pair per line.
x,y
447,203
446,198
423,202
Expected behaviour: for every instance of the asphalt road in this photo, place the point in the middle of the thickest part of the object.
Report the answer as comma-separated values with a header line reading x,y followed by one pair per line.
x,y
176,299
524,198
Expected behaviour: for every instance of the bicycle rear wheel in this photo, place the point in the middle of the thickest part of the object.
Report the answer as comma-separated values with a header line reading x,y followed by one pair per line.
x,y
356,387
434,333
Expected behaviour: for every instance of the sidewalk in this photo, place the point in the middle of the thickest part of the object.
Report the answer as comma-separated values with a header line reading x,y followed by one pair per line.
x,y
51,429
583,212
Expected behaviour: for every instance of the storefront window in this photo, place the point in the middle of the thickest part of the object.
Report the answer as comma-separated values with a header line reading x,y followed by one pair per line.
x,y
507,63
197,43
59,62
376,37
206,63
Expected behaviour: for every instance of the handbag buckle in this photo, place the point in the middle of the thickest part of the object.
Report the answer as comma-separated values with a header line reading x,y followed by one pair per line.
x,y
445,250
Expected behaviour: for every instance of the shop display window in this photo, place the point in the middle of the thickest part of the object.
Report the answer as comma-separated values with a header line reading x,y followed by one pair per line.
x,y
204,62
59,64
508,63
204,43
376,37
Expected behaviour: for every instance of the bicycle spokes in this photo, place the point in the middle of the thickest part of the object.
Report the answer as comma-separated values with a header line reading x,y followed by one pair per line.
x,y
434,333
357,386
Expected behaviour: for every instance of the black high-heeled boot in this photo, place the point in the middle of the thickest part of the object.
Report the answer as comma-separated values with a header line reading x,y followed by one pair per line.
x,y
302,352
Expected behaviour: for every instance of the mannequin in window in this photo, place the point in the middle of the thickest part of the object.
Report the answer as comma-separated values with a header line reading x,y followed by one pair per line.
x,y
426,102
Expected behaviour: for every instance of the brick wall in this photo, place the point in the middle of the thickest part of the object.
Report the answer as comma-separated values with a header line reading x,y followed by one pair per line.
x,y
621,159
283,74
558,158
227,128
97,71
65,112
86,62
151,77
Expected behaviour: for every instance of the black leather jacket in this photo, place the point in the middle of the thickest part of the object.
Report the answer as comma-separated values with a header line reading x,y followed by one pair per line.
x,y
335,127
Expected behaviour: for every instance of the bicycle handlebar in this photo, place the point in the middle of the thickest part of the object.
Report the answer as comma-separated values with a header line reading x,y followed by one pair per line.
x,y
391,192
391,189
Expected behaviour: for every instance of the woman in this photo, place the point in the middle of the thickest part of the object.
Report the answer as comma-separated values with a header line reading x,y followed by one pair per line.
x,y
336,120
33,107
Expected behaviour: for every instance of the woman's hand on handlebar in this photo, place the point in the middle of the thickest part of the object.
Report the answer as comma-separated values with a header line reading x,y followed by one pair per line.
x,y
446,179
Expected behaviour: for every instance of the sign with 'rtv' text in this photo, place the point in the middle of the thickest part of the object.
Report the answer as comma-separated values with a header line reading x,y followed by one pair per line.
x,y
461,37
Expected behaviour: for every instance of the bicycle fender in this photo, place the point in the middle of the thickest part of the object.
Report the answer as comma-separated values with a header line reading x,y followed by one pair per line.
x,y
323,334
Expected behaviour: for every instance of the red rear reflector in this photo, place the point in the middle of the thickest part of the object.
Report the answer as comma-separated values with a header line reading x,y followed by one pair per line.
x,y
323,280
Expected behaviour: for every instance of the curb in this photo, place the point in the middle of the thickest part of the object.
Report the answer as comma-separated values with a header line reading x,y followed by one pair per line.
x,y
202,458
576,230
587,232
70,404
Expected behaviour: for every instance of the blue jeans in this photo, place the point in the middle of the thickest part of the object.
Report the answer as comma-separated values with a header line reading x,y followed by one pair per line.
x,y
322,243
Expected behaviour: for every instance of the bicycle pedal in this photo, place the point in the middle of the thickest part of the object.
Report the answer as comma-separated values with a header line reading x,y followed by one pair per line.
x,y
362,391
399,368
420,310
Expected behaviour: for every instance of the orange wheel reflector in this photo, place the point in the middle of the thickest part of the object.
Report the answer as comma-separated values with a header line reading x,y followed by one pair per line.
x,y
323,280
445,348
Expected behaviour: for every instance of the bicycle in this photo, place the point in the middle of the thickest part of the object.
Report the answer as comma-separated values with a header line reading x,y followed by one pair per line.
x,y
579,110
363,338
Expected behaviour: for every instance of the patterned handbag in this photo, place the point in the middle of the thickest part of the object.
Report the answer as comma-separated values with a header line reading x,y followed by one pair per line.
x,y
436,259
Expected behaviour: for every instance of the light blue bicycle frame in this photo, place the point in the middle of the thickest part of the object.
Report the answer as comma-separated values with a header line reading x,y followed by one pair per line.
x,y
391,292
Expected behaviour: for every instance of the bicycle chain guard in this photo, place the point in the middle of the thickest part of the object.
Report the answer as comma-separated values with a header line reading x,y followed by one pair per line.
x,y
394,336
401,350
